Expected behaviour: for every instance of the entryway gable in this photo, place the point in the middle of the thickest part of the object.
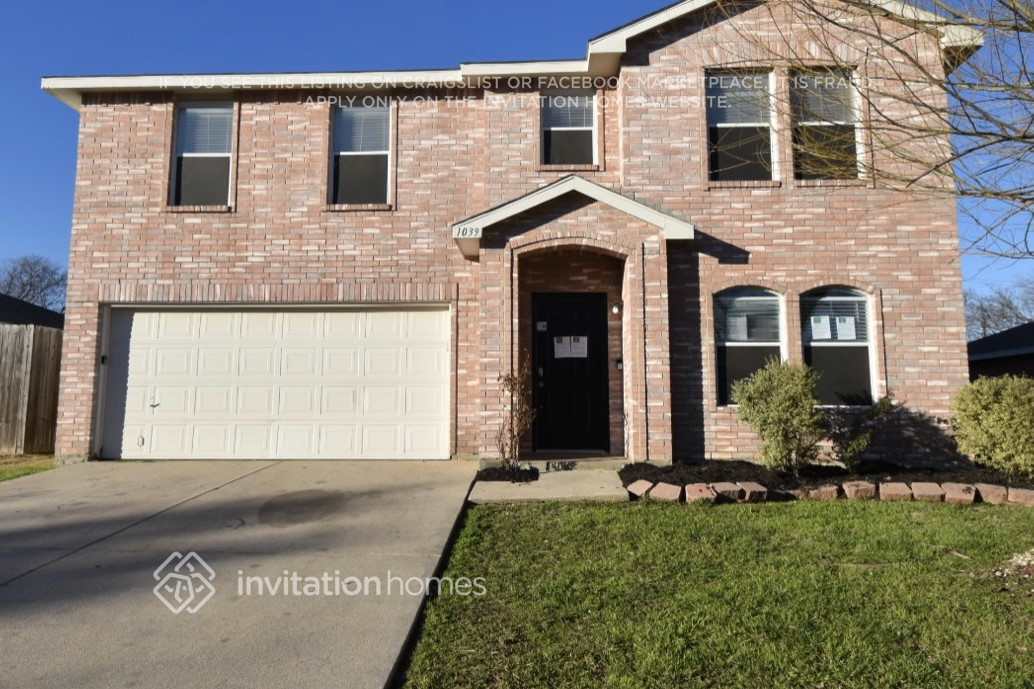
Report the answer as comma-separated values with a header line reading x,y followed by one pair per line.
x,y
469,232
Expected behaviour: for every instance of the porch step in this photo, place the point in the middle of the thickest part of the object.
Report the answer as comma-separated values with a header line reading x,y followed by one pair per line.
x,y
563,486
563,464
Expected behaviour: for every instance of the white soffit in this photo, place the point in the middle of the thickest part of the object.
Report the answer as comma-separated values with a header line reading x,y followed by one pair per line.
x,y
467,233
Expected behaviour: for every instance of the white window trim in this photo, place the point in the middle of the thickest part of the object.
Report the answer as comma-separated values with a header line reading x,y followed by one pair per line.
x,y
594,128
174,173
772,123
388,153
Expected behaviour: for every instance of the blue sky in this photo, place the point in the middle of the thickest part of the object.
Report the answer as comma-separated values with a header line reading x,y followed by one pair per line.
x,y
38,134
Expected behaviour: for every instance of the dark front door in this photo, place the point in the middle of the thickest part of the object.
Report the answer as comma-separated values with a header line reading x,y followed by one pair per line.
x,y
569,357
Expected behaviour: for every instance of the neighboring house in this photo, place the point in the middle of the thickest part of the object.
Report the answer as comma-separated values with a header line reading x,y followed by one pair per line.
x,y
258,270
18,312
1010,351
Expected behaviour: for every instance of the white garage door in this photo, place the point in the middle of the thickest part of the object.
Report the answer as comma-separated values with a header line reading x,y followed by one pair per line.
x,y
347,384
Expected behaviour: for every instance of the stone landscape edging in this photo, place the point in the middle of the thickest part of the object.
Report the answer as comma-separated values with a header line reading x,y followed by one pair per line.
x,y
884,491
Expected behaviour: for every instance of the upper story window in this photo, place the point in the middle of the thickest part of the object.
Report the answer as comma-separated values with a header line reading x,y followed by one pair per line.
x,y
748,332
362,136
739,125
835,329
825,131
569,128
201,171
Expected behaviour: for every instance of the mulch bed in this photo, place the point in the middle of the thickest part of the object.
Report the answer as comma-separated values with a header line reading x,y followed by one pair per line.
x,y
813,476
504,474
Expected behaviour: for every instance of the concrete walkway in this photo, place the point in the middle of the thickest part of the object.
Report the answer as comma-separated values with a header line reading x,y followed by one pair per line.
x,y
79,547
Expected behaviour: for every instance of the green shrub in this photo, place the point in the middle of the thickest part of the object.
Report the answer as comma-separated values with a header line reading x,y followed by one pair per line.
x,y
779,403
850,430
994,423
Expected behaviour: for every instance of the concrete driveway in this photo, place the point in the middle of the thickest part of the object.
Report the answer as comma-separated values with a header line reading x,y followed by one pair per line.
x,y
79,547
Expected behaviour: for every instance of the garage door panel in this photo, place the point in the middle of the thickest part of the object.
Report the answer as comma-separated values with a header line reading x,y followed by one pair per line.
x,y
219,324
425,400
253,440
256,361
298,361
177,325
421,440
212,361
255,401
341,362
171,361
172,401
210,401
245,384
258,325
384,325
383,361
340,401
295,441
296,400
169,440
304,325
212,442
343,325
338,440
381,441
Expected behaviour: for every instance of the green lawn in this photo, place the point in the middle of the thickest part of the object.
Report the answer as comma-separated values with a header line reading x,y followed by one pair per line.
x,y
794,595
14,467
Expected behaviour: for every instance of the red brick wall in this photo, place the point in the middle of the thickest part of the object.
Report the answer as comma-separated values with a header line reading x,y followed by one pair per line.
x,y
281,243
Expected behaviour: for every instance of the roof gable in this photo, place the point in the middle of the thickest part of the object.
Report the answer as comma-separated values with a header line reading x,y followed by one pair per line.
x,y
468,232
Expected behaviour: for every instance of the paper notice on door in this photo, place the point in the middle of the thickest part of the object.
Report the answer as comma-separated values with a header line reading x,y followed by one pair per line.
x,y
820,329
845,328
575,347
737,328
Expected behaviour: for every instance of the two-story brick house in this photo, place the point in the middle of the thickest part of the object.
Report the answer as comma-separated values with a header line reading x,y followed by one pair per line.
x,y
343,265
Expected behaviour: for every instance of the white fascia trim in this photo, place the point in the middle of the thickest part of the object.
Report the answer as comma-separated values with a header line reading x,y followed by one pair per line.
x,y
468,233
505,69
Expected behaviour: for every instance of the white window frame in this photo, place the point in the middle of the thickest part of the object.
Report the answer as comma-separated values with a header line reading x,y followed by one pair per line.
x,y
856,111
336,154
772,124
870,342
176,155
783,343
594,129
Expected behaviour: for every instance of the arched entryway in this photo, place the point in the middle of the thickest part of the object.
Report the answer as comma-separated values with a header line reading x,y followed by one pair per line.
x,y
570,302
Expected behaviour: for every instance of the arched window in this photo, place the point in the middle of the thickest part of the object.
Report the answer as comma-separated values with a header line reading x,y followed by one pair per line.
x,y
835,332
748,331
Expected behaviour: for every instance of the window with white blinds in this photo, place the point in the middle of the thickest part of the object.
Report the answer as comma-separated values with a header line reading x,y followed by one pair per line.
x,y
739,125
201,169
362,129
204,129
748,334
835,332
568,128
362,153
825,132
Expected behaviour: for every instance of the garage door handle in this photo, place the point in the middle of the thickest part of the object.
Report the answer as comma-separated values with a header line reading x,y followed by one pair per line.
x,y
155,405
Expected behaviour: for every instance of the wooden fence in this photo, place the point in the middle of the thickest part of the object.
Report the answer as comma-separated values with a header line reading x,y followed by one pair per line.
x,y
30,359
